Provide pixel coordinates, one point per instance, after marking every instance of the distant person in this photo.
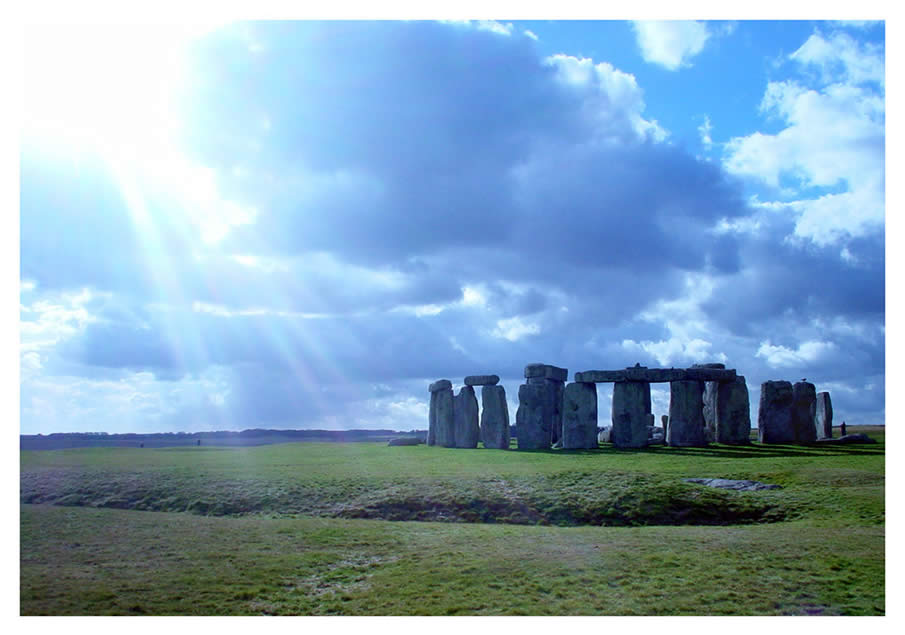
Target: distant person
(199, 441)
(141, 445)
(843, 428)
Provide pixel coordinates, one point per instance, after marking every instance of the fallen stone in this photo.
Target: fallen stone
(725, 483)
(465, 415)
(405, 441)
(824, 416)
(733, 413)
(440, 384)
(579, 422)
(629, 416)
(804, 410)
(657, 438)
(859, 437)
(533, 418)
(686, 414)
(774, 413)
(495, 432)
(482, 380)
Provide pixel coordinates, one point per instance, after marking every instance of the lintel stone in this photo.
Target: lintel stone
(440, 384)
(548, 371)
(482, 380)
(655, 375)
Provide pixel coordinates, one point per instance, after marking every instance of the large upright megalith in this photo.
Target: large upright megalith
(824, 416)
(629, 414)
(774, 413)
(732, 423)
(465, 416)
(533, 419)
(553, 378)
(711, 388)
(804, 410)
(686, 414)
(579, 416)
(494, 417)
(440, 416)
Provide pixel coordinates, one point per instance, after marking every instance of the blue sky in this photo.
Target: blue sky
(302, 224)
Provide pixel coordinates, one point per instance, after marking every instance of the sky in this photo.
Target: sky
(302, 224)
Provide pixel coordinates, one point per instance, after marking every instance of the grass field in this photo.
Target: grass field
(306, 529)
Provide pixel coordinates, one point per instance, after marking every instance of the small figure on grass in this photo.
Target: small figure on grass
(843, 428)
(199, 442)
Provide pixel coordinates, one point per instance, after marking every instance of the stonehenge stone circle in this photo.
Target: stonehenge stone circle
(494, 418)
(465, 416)
(774, 414)
(686, 414)
(732, 412)
(629, 415)
(824, 416)
(804, 411)
(482, 380)
(440, 416)
(533, 419)
(579, 422)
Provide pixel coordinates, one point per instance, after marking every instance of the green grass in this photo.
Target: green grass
(304, 529)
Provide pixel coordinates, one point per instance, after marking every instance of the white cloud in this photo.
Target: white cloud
(783, 357)
(834, 137)
(675, 349)
(704, 130)
(670, 43)
(515, 328)
(612, 97)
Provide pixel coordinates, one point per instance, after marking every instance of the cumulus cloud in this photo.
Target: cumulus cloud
(671, 43)
(833, 140)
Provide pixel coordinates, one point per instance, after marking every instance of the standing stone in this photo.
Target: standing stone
(432, 421)
(710, 394)
(441, 417)
(824, 416)
(733, 413)
(579, 421)
(494, 418)
(629, 414)
(804, 411)
(465, 414)
(774, 413)
(686, 414)
(533, 418)
(553, 377)
(664, 419)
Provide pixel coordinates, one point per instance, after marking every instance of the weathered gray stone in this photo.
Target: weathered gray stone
(714, 365)
(440, 384)
(804, 411)
(709, 398)
(465, 414)
(664, 419)
(605, 434)
(629, 414)
(579, 422)
(494, 418)
(432, 420)
(533, 419)
(547, 371)
(655, 375)
(774, 413)
(824, 416)
(725, 483)
(733, 413)
(554, 395)
(651, 420)
(405, 441)
(482, 380)
(442, 418)
(656, 436)
(686, 414)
